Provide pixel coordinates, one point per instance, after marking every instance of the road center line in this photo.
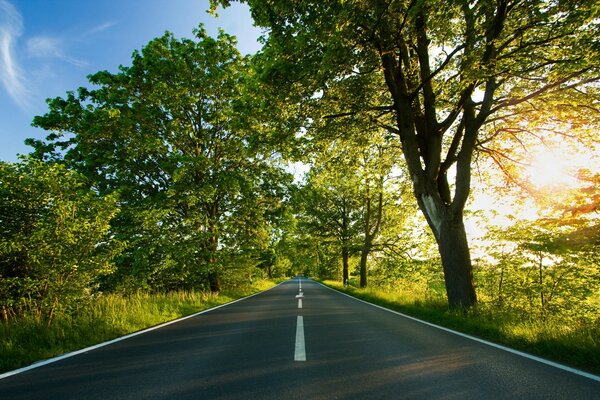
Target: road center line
(299, 303)
(300, 351)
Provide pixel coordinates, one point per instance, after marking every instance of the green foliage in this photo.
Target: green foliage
(569, 341)
(167, 174)
(537, 268)
(55, 240)
(445, 78)
(107, 317)
(175, 136)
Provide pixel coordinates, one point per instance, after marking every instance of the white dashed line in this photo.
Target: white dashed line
(300, 352)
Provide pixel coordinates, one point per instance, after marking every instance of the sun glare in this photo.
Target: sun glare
(554, 168)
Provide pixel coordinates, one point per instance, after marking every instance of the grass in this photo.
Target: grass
(568, 341)
(576, 343)
(107, 317)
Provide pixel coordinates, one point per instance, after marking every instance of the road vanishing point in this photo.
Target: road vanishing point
(298, 340)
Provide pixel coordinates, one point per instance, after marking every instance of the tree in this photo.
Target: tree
(376, 170)
(55, 239)
(176, 137)
(331, 210)
(450, 70)
(544, 266)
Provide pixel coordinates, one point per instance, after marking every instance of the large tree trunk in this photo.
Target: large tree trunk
(449, 231)
(432, 147)
(456, 261)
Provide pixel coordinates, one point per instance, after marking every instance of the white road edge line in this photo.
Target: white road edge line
(119, 339)
(491, 344)
(300, 350)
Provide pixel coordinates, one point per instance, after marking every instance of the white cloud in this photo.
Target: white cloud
(11, 73)
(101, 28)
(49, 47)
(13, 77)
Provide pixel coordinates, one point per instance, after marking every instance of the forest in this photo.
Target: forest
(446, 151)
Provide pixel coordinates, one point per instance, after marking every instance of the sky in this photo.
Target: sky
(48, 47)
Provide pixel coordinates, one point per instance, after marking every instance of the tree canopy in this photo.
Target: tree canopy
(173, 172)
(174, 135)
(443, 76)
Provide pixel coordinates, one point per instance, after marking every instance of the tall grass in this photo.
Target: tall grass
(109, 316)
(575, 342)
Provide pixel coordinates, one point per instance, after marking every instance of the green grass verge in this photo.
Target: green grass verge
(109, 316)
(567, 341)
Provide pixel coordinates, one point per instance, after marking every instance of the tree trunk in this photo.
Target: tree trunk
(214, 280)
(370, 232)
(345, 257)
(364, 254)
(456, 261)
(366, 248)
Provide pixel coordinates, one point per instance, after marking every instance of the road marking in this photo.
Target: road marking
(299, 295)
(299, 303)
(300, 351)
(476, 339)
(119, 339)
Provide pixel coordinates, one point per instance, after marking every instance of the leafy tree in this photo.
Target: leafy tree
(351, 195)
(55, 239)
(357, 146)
(383, 205)
(175, 135)
(539, 268)
(449, 72)
(332, 210)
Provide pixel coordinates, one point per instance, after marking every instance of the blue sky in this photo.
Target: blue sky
(49, 46)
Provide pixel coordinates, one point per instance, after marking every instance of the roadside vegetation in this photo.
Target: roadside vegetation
(445, 172)
(561, 338)
(107, 317)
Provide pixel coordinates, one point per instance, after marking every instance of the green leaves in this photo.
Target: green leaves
(544, 266)
(55, 241)
(176, 137)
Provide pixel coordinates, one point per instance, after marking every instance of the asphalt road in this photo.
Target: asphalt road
(259, 348)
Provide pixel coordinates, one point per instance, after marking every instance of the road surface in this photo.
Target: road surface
(299, 340)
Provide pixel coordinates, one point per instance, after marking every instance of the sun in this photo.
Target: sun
(555, 168)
